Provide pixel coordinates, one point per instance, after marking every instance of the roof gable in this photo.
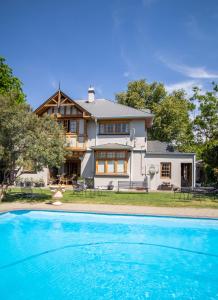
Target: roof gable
(57, 100)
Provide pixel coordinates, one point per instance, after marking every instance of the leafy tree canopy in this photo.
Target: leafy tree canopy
(206, 130)
(141, 94)
(171, 111)
(26, 139)
(172, 122)
(206, 122)
(9, 84)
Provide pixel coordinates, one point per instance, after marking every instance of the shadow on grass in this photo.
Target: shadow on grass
(13, 197)
(129, 193)
(87, 194)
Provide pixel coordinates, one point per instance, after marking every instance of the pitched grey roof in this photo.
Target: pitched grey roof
(160, 147)
(104, 109)
(157, 147)
(112, 146)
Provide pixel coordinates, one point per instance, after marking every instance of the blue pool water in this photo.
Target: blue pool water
(56, 255)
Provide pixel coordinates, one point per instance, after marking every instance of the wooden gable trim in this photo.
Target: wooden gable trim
(47, 103)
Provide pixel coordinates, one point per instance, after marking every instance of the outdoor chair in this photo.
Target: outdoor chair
(53, 181)
(80, 188)
(177, 193)
(186, 191)
(203, 192)
(182, 193)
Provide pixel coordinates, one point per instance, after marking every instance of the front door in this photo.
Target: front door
(186, 174)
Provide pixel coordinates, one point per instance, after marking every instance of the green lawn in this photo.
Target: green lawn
(123, 198)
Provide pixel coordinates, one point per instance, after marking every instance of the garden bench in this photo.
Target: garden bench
(132, 185)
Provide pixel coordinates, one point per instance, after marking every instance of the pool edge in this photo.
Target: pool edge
(110, 213)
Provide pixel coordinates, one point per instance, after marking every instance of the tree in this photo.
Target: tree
(171, 111)
(9, 84)
(210, 158)
(206, 122)
(172, 122)
(26, 139)
(141, 94)
(206, 129)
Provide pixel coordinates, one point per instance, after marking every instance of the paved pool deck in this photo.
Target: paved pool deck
(115, 209)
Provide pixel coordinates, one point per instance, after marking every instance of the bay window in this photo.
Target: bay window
(111, 162)
(101, 166)
(120, 166)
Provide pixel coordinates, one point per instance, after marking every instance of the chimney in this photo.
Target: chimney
(91, 94)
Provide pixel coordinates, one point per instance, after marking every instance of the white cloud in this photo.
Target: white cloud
(192, 72)
(185, 85)
(126, 74)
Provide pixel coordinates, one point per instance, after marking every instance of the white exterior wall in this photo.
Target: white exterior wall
(138, 166)
(88, 165)
(91, 132)
(155, 159)
(140, 140)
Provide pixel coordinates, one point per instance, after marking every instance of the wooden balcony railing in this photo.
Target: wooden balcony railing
(74, 142)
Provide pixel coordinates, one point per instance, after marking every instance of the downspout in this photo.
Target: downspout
(141, 162)
(194, 171)
(96, 134)
(131, 153)
(96, 129)
(142, 173)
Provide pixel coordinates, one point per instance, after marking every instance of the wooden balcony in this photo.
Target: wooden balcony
(76, 142)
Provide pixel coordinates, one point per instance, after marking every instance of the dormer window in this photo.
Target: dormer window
(114, 127)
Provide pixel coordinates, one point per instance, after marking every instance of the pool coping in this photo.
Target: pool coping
(185, 212)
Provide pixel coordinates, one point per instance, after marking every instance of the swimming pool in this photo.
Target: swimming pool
(48, 255)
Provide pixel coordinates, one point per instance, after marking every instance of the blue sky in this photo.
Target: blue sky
(108, 43)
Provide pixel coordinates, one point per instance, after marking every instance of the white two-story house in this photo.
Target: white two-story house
(107, 142)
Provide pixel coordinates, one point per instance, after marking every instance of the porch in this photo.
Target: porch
(68, 174)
